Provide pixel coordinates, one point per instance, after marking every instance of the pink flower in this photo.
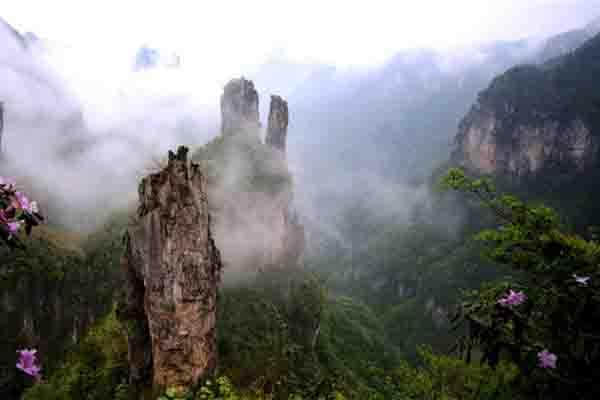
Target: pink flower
(512, 299)
(582, 280)
(23, 201)
(546, 359)
(27, 363)
(13, 227)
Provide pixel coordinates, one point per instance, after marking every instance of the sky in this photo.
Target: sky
(227, 35)
(218, 40)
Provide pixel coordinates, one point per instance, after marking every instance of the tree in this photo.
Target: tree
(544, 317)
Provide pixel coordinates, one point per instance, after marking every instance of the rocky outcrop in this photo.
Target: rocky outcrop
(239, 108)
(487, 146)
(250, 188)
(536, 119)
(172, 269)
(278, 123)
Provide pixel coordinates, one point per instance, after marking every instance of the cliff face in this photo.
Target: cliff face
(533, 119)
(278, 123)
(489, 144)
(239, 107)
(172, 269)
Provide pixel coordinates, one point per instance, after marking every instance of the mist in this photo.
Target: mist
(86, 133)
(373, 110)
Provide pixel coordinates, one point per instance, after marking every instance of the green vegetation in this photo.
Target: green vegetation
(550, 333)
(370, 322)
(95, 369)
(268, 350)
(53, 290)
(243, 163)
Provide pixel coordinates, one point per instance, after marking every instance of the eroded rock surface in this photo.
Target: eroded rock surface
(537, 121)
(172, 271)
(486, 146)
(239, 108)
(278, 123)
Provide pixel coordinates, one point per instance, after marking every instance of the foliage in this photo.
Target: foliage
(96, 369)
(442, 377)
(275, 337)
(53, 291)
(410, 272)
(559, 273)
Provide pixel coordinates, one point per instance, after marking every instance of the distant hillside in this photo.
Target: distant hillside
(538, 127)
(536, 117)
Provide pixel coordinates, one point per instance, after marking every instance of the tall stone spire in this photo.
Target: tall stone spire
(239, 108)
(278, 123)
(172, 269)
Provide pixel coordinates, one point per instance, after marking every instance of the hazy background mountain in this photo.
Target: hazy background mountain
(380, 128)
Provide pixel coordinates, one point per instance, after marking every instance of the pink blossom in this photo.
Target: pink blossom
(547, 359)
(13, 227)
(512, 299)
(27, 362)
(23, 201)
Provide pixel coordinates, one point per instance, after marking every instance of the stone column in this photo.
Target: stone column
(239, 108)
(172, 269)
(278, 123)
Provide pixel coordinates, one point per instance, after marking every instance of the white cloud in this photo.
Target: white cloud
(224, 36)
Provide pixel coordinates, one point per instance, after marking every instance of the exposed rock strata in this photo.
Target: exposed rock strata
(172, 271)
